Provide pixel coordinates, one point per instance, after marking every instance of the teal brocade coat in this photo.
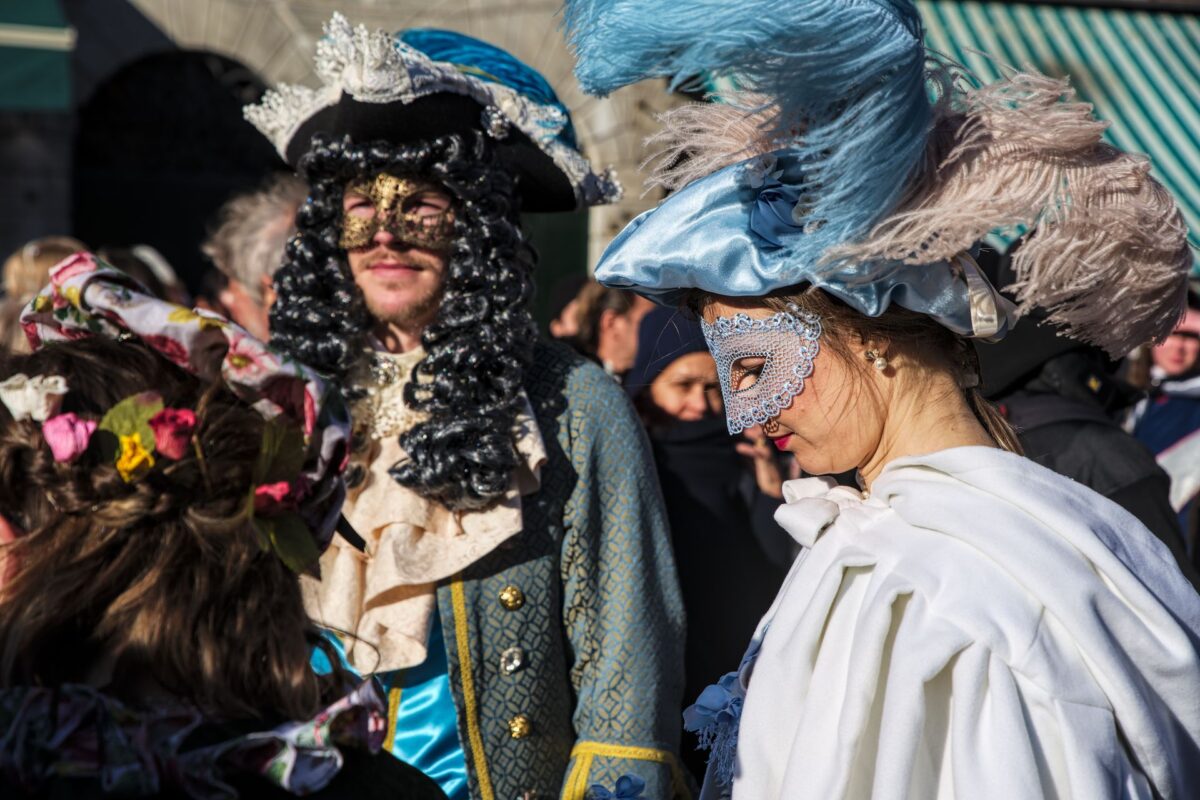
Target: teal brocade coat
(601, 625)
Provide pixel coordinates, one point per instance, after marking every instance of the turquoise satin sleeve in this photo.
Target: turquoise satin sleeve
(319, 660)
(426, 721)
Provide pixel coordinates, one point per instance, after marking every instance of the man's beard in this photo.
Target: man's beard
(420, 310)
(423, 309)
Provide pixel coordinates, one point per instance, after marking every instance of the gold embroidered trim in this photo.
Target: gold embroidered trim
(577, 780)
(393, 712)
(479, 761)
(584, 753)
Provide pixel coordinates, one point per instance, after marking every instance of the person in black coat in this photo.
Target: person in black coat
(720, 495)
(1064, 399)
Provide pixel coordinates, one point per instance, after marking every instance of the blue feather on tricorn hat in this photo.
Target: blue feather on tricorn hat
(419, 84)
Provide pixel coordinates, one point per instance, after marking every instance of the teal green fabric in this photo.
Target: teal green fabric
(35, 57)
(1140, 70)
(426, 720)
(602, 624)
(42, 13)
(34, 80)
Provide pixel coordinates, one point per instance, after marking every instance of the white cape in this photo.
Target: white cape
(979, 628)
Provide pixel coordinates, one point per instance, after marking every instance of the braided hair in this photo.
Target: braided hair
(468, 386)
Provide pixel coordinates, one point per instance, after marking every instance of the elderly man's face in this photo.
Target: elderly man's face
(397, 233)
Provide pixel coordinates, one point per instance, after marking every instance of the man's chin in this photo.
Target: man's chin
(402, 310)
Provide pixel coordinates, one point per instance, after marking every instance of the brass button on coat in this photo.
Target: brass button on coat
(512, 598)
(511, 660)
(519, 726)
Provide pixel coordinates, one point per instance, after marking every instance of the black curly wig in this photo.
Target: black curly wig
(479, 345)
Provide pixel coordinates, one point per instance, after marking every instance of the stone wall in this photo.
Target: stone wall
(275, 38)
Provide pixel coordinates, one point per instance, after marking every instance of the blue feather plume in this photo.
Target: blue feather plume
(848, 74)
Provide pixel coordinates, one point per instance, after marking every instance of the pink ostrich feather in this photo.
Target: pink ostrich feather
(698, 139)
(1108, 256)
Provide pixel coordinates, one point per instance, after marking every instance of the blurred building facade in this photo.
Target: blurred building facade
(146, 135)
(120, 119)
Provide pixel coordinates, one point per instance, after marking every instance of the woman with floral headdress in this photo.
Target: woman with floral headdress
(164, 477)
(968, 623)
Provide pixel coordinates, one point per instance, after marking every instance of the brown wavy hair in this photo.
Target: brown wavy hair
(165, 574)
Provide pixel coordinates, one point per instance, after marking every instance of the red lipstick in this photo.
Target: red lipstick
(782, 442)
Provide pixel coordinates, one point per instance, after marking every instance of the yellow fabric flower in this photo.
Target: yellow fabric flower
(187, 315)
(72, 295)
(42, 303)
(135, 460)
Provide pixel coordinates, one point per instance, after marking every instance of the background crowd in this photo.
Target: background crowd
(1128, 429)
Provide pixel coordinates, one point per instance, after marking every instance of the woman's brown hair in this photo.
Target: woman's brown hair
(594, 300)
(166, 573)
(916, 335)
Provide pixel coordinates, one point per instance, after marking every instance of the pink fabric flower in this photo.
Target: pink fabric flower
(272, 497)
(31, 334)
(248, 361)
(173, 428)
(174, 350)
(293, 398)
(71, 266)
(310, 413)
(67, 435)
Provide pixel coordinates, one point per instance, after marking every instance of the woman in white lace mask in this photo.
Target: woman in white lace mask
(966, 623)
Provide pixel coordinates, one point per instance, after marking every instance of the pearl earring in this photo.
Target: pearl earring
(879, 362)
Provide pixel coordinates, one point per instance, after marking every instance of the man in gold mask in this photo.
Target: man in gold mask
(509, 576)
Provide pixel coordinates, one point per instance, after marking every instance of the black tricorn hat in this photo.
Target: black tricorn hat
(425, 83)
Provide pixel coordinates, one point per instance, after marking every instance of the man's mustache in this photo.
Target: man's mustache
(409, 256)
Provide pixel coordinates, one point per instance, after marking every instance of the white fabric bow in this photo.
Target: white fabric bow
(37, 398)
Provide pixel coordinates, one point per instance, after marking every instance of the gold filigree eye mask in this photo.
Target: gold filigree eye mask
(412, 223)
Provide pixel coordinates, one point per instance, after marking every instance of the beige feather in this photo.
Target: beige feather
(1109, 257)
(698, 139)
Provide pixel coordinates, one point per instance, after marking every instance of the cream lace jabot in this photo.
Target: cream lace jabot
(385, 597)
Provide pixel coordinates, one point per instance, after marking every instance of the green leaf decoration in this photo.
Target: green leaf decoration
(281, 455)
(291, 540)
(132, 415)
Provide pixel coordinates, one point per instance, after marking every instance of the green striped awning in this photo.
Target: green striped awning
(35, 56)
(1140, 69)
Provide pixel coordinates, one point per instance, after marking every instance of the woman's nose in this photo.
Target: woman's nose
(696, 402)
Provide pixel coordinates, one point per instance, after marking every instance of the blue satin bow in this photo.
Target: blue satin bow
(629, 787)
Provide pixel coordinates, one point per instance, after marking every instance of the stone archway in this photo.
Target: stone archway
(276, 38)
(159, 146)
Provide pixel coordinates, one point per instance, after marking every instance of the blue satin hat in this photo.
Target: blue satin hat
(732, 233)
(882, 150)
(851, 75)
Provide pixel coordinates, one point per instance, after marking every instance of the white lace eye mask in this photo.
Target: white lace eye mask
(787, 344)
